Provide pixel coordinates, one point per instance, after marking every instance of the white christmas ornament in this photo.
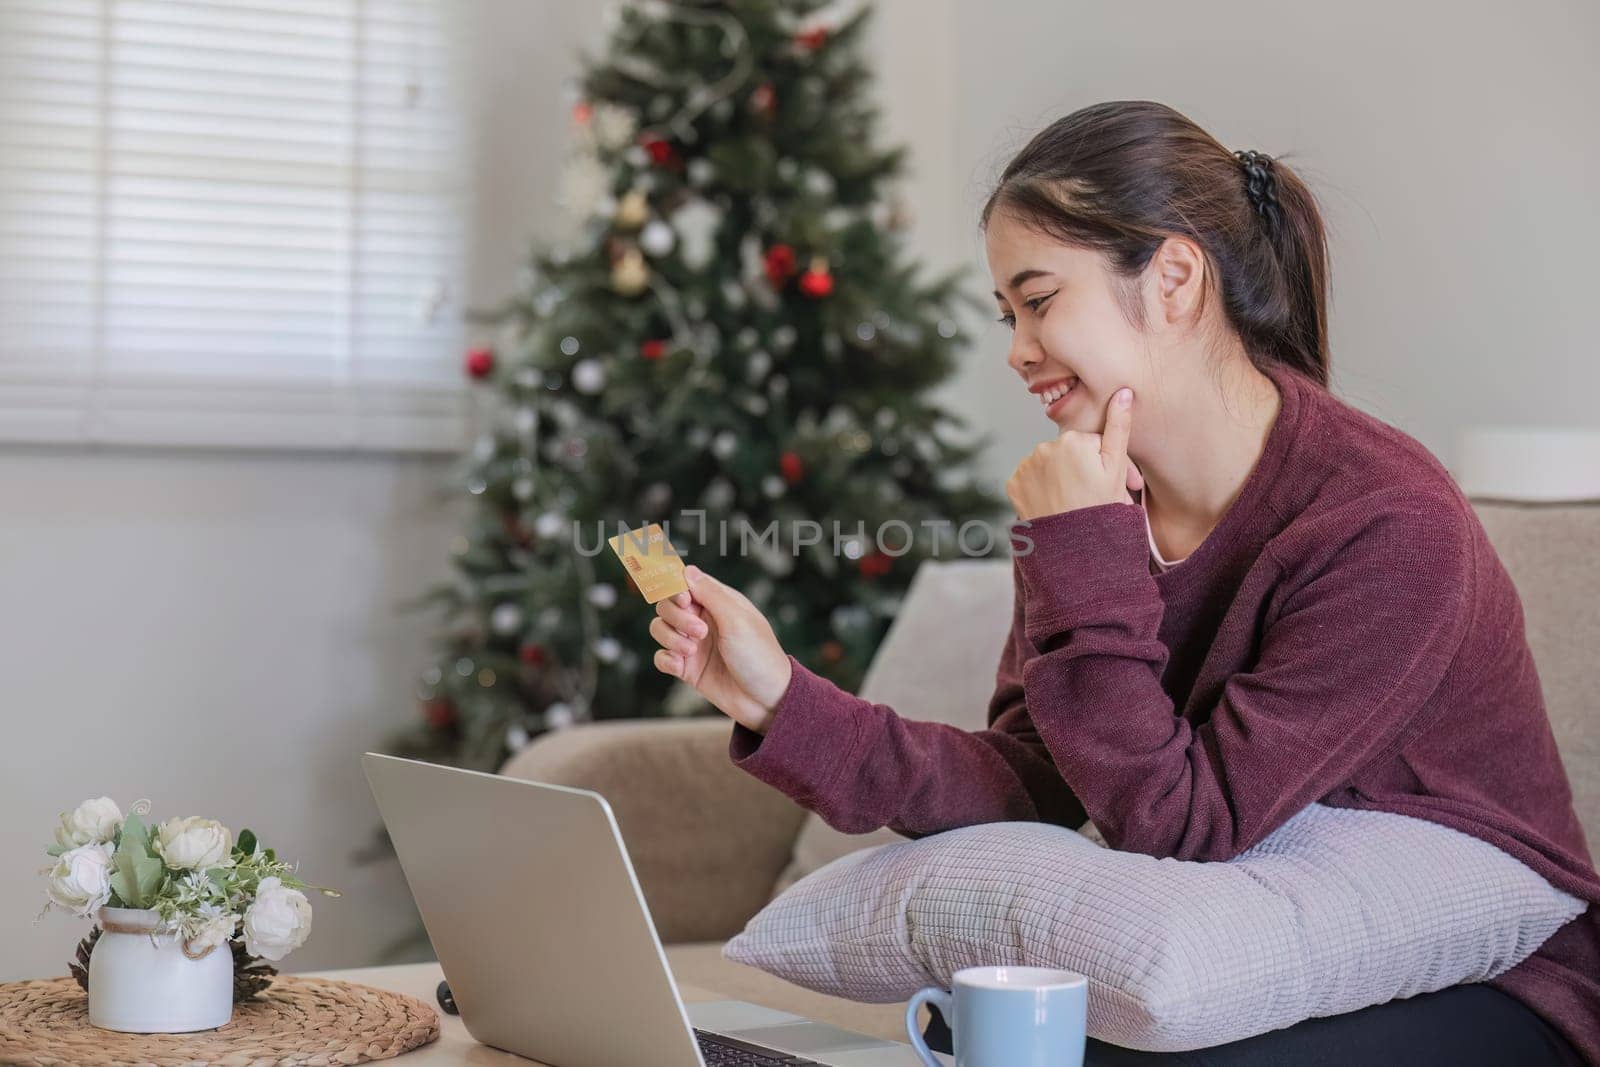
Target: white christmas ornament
(701, 172)
(757, 366)
(606, 650)
(773, 486)
(613, 125)
(819, 183)
(549, 524)
(558, 716)
(696, 222)
(602, 595)
(522, 489)
(517, 737)
(505, 619)
(724, 445)
(719, 494)
(588, 376)
(657, 238)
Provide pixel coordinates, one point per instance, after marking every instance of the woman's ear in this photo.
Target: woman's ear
(1179, 269)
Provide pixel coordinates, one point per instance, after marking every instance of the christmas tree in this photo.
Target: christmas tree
(735, 346)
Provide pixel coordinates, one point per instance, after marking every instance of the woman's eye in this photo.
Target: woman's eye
(1033, 305)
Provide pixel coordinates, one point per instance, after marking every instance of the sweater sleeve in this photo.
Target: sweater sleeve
(861, 766)
(1363, 633)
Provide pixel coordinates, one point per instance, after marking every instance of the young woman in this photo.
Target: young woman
(1235, 594)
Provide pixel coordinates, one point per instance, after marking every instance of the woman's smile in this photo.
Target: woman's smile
(1055, 393)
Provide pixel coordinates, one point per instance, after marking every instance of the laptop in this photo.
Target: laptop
(536, 916)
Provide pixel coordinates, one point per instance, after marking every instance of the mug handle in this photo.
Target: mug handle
(946, 1004)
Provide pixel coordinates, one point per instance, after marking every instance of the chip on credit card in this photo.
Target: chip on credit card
(652, 562)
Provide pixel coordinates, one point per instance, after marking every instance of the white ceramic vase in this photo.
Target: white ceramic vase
(142, 986)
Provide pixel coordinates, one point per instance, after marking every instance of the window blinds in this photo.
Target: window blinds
(226, 222)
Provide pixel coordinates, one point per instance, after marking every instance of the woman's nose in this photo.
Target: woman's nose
(1024, 353)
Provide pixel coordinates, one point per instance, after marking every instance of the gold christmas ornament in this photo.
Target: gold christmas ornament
(633, 210)
(630, 275)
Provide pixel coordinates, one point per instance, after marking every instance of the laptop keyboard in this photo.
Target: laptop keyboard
(720, 1051)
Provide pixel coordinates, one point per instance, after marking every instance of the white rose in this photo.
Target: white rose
(94, 821)
(80, 881)
(212, 931)
(278, 922)
(193, 843)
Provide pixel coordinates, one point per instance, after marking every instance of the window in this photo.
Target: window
(226, 222)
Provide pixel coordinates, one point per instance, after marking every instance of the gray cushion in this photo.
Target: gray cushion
(1335, 911)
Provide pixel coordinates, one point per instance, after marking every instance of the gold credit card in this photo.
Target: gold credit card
(652, 562)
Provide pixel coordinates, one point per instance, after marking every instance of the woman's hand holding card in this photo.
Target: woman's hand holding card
(718, 642)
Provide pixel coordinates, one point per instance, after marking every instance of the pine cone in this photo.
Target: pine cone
(80, 969)
(250, 974)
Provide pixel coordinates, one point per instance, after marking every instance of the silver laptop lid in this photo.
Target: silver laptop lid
(536, 915)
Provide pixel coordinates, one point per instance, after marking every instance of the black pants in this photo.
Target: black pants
(1464, 1026)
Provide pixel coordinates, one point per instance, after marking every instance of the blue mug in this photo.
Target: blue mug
(1009, 1017)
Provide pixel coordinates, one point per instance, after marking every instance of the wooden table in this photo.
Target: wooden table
(455, 1045)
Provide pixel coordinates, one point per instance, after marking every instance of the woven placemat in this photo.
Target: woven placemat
(306, 1022)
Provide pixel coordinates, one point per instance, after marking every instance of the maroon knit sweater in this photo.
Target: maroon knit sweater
(1346, 634)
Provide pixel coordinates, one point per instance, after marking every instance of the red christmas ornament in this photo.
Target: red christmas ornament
(653, 349)
(661, 152)
(518, 531)
(832, 652)
(817, 282)
(792, 467)
(532, 654)
(812, 39)
(875, 565)
(780, 261)
(439, 714)
(582, 111)
(480, 362)
(764, 99)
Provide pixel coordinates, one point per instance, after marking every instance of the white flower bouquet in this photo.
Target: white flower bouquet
(206, 888)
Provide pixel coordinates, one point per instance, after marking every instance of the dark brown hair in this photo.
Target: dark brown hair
(1122, 176)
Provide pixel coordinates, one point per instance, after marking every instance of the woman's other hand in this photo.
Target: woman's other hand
(1079, 469)
(717, 641)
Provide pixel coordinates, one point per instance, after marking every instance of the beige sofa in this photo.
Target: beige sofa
(711, 845)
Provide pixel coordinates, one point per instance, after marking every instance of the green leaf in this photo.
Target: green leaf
(136, 875)
(272, 857)
(247, 841)
(54, 850)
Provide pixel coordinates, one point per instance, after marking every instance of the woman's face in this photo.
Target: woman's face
(1071, 344)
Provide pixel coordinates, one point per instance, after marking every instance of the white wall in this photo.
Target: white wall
(217, 631)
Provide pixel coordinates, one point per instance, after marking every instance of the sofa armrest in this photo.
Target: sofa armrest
(706, 839)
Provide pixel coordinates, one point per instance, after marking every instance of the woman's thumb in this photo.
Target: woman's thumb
(707, 590)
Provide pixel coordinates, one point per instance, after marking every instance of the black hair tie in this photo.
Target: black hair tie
(1261, 185)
